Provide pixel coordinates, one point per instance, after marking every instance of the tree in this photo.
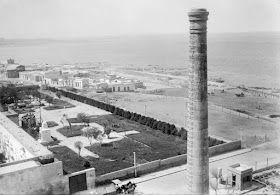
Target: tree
(8, 95)
(2, 158)
(79, 146)
(36, 93)
(155, 123)
(214, 180)
(107, 131)
(49, 99)
(84, 118)
(58, 94)
(174, 130)
(214, 185)
(65, 118)
(92, 133)
(183, 133)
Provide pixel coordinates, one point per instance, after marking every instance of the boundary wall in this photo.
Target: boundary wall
(161, 164)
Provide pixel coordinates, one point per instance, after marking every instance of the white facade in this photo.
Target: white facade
(80, 83)
(120, 86)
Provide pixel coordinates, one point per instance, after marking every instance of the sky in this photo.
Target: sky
(89, 18)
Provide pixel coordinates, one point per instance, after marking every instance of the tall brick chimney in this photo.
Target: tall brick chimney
(197, 105)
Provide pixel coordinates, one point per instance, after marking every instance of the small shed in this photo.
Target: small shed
(240, 176)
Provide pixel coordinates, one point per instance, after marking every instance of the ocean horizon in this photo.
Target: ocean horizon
(250, 59)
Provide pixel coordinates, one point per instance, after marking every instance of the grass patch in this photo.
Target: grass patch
(72, 162)
(74, 131)
(120, 151)
(52, 124)
(59, 104)
(159, 148)
(158, 145)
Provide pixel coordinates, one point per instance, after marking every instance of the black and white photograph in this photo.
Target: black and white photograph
(140, 97)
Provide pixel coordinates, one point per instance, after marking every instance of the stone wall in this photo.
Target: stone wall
(16, 144)
(159, 164)
(12, 148)
(41, 179)
(226, 147)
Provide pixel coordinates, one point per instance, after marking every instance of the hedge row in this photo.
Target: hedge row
(144, 120)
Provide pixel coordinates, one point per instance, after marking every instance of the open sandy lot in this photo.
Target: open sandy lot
(173, 110)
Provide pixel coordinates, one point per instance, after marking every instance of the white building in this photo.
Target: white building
(80, 83)
(121, 86)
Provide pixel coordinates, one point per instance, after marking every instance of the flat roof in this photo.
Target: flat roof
(240, 168)
(18, 167)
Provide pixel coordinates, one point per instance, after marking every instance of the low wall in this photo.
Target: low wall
(148, 167)
(158, 164)
(141, 169)
(226, 147)
(266, 168)
(11, 147)
(176, 160)
(16, 144)
(124, 173)
(41, 179)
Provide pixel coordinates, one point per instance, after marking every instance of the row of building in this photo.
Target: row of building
(110, 83)
(57, 78)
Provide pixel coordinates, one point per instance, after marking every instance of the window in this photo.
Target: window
(118, 88)
(113, 88)
(127, 88)
(124, 88)
(248, 178)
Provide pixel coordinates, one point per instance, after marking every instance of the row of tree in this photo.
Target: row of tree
(165, 127)
(144, 120)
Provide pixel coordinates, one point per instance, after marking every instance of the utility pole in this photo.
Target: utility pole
(241, 134)
(145, 109)
(40, 108)
(135, 166)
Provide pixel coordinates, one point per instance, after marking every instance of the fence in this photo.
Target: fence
(251, 140)
(266, 164)
(240, 114)
(261, 93)
(222, 109)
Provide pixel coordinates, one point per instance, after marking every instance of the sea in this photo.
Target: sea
(250, 59)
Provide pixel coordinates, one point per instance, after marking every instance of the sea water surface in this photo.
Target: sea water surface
(251, 59)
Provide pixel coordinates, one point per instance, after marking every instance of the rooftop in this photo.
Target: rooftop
(240, 167)
(13, 67)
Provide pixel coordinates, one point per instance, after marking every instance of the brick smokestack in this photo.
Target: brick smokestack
(197, 105)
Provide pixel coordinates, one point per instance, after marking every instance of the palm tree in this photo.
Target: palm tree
(79, 146)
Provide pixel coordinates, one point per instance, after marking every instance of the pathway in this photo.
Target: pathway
(56, 116)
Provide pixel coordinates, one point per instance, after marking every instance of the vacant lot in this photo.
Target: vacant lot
(173, 110)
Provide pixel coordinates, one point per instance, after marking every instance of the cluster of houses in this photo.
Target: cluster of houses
(11, 69)
(58, 78)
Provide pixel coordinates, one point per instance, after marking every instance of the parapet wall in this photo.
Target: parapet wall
(16, 144)
(12, 148)
(223, 148)
(40, 179)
